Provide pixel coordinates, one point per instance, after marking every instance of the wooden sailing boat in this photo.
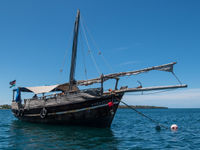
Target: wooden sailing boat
(71, 106)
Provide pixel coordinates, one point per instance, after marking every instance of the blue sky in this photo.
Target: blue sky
(35, 36)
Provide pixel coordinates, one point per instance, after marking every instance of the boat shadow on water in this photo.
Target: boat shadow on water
(31, 135)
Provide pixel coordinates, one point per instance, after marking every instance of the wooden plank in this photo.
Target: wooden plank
(147, 89)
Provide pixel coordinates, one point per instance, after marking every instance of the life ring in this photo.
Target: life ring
(20, 113)
(43, 113)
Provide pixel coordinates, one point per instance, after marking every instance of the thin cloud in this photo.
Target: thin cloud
(122, 48)
(119, 48)
(128, 63)
(132, 46)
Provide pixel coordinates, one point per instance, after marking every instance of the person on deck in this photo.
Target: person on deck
(35, 96)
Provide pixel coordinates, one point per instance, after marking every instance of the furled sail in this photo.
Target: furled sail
(65, 86)
(165, 67)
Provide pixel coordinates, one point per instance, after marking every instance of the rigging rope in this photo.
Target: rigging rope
(156, 122)
(97, 47)
(176, 78)
(106, 62)
(70, 37)
(89, 49)
(82, 47)
(65, 56)
(140, 113)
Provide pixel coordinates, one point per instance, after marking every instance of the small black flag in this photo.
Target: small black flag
(12, 83)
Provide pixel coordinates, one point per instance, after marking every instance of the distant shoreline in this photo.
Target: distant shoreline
(6, 106)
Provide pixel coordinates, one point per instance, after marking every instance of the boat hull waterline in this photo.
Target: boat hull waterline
(95, 112)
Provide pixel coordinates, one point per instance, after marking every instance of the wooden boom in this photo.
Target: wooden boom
(165, 67)
(147, 89)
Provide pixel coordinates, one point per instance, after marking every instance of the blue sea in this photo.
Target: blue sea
(129, 131)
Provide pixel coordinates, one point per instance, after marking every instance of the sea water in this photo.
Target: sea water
(129, 130)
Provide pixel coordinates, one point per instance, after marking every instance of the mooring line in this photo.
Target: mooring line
(156, 122)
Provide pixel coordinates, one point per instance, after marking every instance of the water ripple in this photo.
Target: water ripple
(129, 131)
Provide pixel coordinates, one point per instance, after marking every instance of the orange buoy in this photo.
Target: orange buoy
(174, 127)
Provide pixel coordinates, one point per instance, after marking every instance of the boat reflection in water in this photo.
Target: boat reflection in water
(41, 136)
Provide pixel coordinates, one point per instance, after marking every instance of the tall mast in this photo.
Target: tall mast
(74, 51)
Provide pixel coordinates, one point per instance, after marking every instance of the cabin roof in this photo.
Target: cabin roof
(46, 89)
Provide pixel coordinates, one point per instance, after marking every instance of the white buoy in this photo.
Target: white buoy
(174, 127)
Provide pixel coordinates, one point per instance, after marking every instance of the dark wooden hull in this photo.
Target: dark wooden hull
(96, 112)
